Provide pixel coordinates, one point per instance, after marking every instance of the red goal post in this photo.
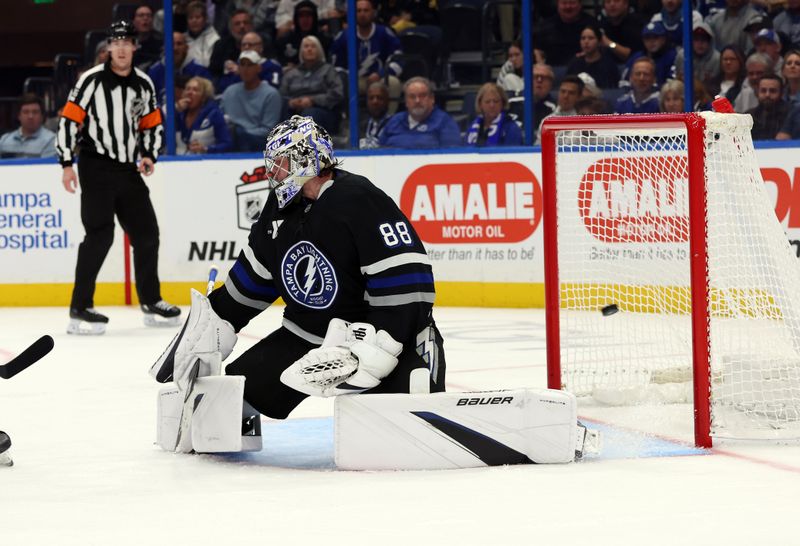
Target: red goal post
(663, 221)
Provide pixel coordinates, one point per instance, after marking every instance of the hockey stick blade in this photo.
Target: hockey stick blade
(28, 357)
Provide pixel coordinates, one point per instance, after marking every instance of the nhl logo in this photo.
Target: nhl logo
(137, 109)
(250, 199)
(252, 209)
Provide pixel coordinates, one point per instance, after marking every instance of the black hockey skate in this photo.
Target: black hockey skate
(86, 321)
(5, 450)
(161, 313)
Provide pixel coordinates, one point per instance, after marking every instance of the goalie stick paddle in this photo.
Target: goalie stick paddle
(28, 357)
(183, 420)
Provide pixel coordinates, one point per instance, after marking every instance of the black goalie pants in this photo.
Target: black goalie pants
(108, 188)
(264, 362)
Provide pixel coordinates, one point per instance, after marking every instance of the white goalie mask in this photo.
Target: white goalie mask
(297, 150)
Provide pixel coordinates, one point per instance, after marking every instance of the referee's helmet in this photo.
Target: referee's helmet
(120, 30)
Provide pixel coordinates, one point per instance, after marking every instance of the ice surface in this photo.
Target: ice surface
(87, 472)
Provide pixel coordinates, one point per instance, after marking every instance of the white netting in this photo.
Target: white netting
(623, 239)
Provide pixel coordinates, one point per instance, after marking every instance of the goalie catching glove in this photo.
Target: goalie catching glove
(205, 341)
(352, 358)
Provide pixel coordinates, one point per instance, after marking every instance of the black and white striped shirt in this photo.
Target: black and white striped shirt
(114, 116)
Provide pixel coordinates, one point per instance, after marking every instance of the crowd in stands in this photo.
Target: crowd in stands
(241, 66)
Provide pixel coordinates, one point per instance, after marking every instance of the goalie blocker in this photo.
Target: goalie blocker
(459, 430)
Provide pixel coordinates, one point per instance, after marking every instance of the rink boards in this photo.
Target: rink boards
(479, 215)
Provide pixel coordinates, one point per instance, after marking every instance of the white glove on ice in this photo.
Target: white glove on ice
(205, 341)
(352, 358)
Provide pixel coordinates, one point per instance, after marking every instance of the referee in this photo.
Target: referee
(112, 114)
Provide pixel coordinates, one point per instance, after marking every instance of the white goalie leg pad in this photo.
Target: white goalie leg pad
(205, 338)
(218, 416)
(220, 422)
(455, 430)
(170, 402)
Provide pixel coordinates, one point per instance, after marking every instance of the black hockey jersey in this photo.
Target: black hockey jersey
(351, 254)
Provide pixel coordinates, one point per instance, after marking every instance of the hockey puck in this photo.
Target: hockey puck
(609, 310)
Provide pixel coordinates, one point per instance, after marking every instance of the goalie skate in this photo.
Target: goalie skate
(86, 322)
(161, 313)
(5, 450)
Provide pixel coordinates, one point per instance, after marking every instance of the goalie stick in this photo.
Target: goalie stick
(186, 412)
(28, 357)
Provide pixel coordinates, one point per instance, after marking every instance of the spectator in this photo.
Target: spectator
(262, 14)
(313, 88)
(622, 29)
(306, 23)
(671, 98)
(756, 24)
(709, 7)
(595, 60)
(178, 17)
(558, 38)
(510, 77)
(180, 83)
(591, 91)
(658, 48)
(768, 42)
(201, 124)
(423, 124)
(731, 74)
(788, 22)
(757, 66)
(402, 15)
(376, 44)
(643, 97)
(286, 15)
(495, 125)
(183, 65)
(791, 125)
(271, 71)
(671, 16)
(378, 112)
(543, 102)
(772, 111)
(252, 106)
(589, 106)
(705, 57)
(570, 91)
(728, 25)
(149, 42)
(227, 49)
(101, 53)
(791, 76)
(702, 99)
(200, 35)
(31, 139)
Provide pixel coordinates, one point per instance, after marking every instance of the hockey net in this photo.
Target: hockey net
(666, 267)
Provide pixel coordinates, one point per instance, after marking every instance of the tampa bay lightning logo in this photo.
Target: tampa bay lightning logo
(309, 276)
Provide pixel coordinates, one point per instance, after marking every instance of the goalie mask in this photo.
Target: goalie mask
(297, 150)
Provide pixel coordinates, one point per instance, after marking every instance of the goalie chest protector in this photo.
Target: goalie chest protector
(328, 259)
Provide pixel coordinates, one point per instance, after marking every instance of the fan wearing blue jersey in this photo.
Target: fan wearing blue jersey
(376, 44)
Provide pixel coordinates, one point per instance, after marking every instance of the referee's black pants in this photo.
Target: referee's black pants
(109, 187)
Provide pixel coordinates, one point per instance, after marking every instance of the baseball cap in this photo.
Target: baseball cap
(251, 55)
(656, 28)
(767, 34)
